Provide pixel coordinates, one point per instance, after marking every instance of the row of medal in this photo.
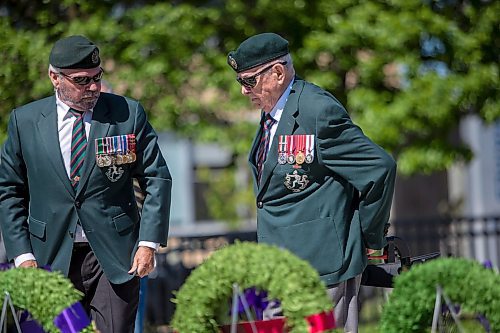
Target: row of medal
(115, 150)
(296, 149)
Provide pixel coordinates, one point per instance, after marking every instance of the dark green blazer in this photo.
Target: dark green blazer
(346, 202)
(39, 209)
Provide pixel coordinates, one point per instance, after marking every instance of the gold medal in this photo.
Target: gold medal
(300, 158)
(119, 159)
(133, 157)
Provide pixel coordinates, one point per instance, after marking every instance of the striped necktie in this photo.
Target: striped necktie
(78, 147)
(264, 144)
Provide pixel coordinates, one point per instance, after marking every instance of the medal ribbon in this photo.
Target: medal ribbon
(115, 144)
(289, 142)
(309, 145)
(109, 145)
(124, 141)
(301, 144)
(131, 142)
(282, 144)
(99, 146)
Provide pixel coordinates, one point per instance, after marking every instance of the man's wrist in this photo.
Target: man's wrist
(152, 245)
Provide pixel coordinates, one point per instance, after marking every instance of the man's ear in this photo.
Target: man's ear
(55, 79)
(280, 73)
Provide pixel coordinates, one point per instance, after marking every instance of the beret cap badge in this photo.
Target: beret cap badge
(232, 62)
(95, 56)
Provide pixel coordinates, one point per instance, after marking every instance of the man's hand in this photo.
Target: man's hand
(143, 261)
(28, 263)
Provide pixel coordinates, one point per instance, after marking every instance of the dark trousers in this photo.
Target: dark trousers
(112, 307)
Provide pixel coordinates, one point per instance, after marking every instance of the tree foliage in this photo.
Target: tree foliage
(407, 70)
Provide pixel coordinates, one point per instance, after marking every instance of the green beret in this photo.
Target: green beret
(257, 50)
(74, 52)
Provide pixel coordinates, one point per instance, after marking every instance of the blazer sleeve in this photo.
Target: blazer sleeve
(346, 151)
(14, 196)
(155, 180)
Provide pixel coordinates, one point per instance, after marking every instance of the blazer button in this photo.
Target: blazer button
(78, 204)
(260, 204)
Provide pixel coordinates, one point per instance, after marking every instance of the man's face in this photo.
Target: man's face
(78, 88)
(263, 84)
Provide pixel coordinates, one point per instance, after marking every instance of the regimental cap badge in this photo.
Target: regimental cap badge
(95, 56)
(232, 62)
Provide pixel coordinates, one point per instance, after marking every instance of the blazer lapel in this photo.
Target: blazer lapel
(285, 127)
(47, 127)
(101, 118)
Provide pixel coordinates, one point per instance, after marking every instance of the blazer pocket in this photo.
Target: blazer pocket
(122, 222)
(36, 227)
(315, 241)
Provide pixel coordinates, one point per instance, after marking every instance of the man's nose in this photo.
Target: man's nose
(245, 90)
(95, 86)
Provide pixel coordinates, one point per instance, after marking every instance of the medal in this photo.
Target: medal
(99, 152)
(99, 161)
(107, 160)
(131, 147)
(300, 158)
(282, 149)
(282, 158)
(119, 159)
(290, 149)
(310, 149)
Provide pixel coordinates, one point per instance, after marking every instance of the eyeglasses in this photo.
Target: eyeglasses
(84, 80)
(251, 81)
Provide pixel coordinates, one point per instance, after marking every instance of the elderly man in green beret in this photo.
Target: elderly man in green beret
(323, 189)
(66, 192)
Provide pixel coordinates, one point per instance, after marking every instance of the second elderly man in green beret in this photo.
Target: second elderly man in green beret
(323, 189)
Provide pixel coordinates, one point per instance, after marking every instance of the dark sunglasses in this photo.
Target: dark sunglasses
(251, 81)
(84, 80)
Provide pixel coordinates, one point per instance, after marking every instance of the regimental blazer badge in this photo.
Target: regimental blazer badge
(296, 149)
(296, 182)
(114, 173)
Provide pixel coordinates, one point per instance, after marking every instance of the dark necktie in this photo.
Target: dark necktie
(78, 147)
(264, 144)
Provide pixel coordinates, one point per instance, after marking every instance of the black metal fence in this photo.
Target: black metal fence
(470, 237)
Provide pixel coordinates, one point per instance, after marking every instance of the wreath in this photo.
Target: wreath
(467, 283)
(44, 294)
(283, 275)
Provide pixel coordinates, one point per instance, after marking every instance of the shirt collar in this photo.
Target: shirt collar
(280, 105)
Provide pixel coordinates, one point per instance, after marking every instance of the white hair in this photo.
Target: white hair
(289, 63)
(54, 69)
